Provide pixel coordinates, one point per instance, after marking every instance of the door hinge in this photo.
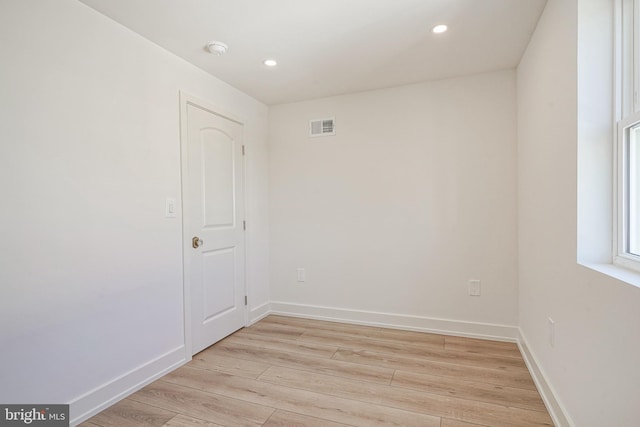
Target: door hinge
(245, 300)
(243, 150)
(244, 225)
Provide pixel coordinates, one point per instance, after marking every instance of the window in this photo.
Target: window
(627, 206)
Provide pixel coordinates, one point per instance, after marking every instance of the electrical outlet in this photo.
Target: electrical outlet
(552, 332)
(302, 275)
(474, 288)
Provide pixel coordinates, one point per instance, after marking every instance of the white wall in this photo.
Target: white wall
(593, 366)
(414, 196)
(90, 270)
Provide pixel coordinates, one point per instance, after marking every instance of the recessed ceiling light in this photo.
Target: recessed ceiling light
(438, 29)
(270, 62)
(217, 48)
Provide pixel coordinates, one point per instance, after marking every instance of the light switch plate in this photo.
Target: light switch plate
(171, 208)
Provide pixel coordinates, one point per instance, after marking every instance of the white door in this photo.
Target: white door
(214, 226)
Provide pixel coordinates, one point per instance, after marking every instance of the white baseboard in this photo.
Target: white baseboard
(399, 321)
(100, 398)
(556, 409)
(258, 313)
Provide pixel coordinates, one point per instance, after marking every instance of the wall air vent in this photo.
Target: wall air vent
(322, 127)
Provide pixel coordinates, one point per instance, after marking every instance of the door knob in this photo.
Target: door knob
(196, 242)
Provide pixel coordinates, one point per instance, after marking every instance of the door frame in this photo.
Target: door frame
(187, 99)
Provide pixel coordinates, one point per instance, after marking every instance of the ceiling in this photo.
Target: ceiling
(333, 47)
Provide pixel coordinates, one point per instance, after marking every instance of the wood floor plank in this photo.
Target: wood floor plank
(473, 345)
(388, 346)
(184, 421)
(407, 399)
(341, 339)
(88, 424)
(297, 346)
(480, 391)
(517, 379)
(312, 404)
(275, 330)
(289, 419)
(455, 423)
(323, 325)
(282, 358)
(128, 413)
(360, 330)
(409, 336)
(202, 405)
(228, 365)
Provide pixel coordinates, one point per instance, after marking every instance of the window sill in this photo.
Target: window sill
(616, 272)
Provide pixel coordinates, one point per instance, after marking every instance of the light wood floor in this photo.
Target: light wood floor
(294, 372)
